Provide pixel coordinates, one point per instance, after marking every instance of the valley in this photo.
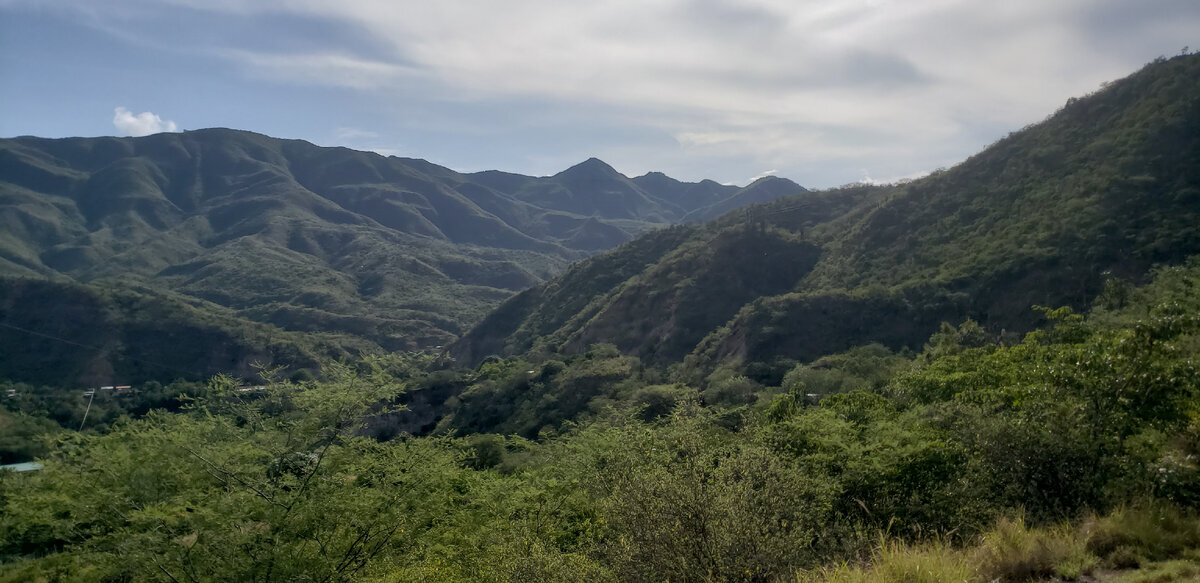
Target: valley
(350, 367)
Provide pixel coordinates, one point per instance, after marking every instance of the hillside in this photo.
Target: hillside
(400, 252)
(1105, 187)
(64, 334)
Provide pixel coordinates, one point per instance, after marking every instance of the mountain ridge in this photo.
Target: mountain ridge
(305, 237)
(1105, 187)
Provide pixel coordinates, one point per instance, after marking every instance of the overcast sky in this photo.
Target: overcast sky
(824, 92)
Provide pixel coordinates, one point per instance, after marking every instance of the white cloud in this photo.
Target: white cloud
(725, 76)
(821, 85)
(366, 140)
(142, 124)
(866, 179)
(762, 175)
(331, 68)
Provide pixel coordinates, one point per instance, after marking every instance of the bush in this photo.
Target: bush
(1148, 531)
(1012, 552)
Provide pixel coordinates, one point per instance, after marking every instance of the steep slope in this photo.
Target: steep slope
(1107, 186)
(402, 252)
(658, 295)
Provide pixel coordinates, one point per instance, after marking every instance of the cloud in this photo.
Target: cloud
(762, 175)
(332, 68)
(725, 76)
(142, 124)
(824, 86)
(866, 179)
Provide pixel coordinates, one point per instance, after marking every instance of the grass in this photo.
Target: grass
(1014, 552)
(1164, 572)
(1137, 534)
(898, 562)
(1143, 543)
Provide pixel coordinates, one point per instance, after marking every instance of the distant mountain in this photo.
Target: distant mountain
(1106, 187)
(765, 189)
(401, 252)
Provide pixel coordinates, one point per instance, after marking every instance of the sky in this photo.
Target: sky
(824, 92)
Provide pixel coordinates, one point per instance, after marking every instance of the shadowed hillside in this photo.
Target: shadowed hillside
(64, 334)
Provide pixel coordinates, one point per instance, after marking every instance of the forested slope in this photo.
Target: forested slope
(64, 334)
(1105, 187)
(1066, 454)
(401, 253)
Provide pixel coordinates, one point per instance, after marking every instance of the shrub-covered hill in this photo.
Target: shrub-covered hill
(66, 334)
(1106, 186)
(1061, 457)
(401, 252)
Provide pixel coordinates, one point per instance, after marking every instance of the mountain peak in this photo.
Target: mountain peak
(655, 175)
(589, 167)
(775, 182)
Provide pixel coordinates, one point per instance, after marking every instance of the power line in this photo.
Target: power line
(49, 336)
(96, 348)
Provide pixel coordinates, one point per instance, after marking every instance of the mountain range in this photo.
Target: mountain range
(1102, 189)
(261, 250)
(402, 253)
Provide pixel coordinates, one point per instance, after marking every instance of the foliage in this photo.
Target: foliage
(989, 456)
(83, 336)
(399, 253)
(245, 487)
(1099, 191)
(77, 409)
(686, 501)
(860, 368)
(24, 437)
(896, 562)
(515, 397)
(1011, 552)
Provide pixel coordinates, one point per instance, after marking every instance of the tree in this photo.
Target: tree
(247, 486)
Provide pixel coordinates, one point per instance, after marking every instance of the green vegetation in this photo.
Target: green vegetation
(398, 253)
(1012, 551)
(70, 335)
(1068, 453)
(1102, 189)
(977, 376)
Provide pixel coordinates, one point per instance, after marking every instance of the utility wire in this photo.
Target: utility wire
(96, 348)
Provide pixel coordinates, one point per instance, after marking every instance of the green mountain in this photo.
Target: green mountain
(400, 252)
(1105, 187)
(765, 189)
(63, 334)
